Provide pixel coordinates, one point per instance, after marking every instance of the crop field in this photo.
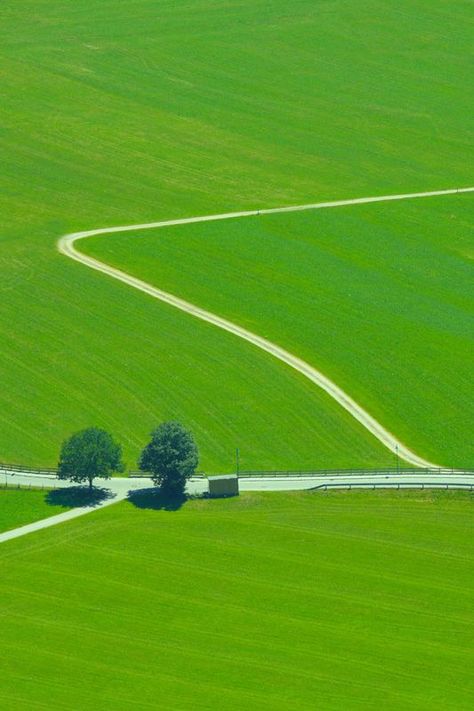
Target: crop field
(116, 113)
(298, 601)
(21, 506)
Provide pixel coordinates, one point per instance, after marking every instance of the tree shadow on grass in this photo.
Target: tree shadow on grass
(156, 500)
(77, 496)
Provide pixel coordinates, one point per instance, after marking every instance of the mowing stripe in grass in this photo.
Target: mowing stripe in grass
(66, 247)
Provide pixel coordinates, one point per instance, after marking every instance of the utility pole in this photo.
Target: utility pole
(398, 459)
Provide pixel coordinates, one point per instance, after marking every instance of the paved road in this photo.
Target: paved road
(66, 247)
(119, 489)
(369, 481)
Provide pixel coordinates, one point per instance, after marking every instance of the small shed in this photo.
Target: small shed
(223, 485)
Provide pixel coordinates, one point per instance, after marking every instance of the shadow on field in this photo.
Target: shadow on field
(76, 496)
(156, 500)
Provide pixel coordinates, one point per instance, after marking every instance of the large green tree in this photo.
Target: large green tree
(88, 455)
(170, 458)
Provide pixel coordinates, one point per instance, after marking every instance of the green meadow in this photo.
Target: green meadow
(351, 600)
(379, 297)
(115, 113)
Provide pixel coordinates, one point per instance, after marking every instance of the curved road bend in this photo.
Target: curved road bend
(66, 245)
(120, 487)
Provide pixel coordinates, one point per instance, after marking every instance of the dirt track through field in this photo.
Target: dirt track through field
(66, 247)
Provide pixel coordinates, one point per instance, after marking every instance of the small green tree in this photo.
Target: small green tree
(170, 458)
(89, 454)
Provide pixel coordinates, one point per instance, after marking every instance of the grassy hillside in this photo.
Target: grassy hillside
(21, 506)
(121, 112)
(339, 601)
(379, 297)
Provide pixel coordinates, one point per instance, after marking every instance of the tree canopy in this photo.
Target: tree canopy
(170, 458)
(89, 454)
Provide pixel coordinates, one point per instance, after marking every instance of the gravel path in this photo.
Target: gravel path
(66, 246)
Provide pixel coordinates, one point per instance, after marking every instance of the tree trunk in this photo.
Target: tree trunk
(90, 483)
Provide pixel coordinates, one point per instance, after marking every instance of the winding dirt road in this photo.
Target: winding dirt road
(66, 245)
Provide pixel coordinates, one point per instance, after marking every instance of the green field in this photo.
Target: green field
(378, 297)
(115, 113)
(21, 506)
(298, 601)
